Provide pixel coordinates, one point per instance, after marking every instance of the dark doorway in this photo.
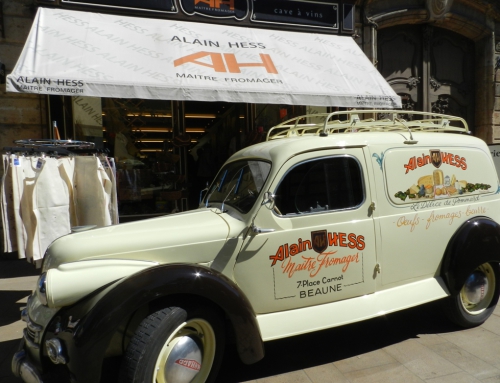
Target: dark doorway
(432, 69)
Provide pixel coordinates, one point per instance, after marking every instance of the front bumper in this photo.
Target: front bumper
(27, 361)
(23, 368)
(49, 351)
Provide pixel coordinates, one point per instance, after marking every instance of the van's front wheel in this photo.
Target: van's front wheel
(477, 298)
(175, 345)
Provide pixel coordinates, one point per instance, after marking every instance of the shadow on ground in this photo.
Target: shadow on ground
(10, 310)
(12, 267)
(7, 350)
(310, 350)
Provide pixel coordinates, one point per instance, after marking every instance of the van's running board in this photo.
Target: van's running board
(308, 319)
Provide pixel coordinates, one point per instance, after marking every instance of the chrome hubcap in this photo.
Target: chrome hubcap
(187, 355)
(477, 292)
(184, 361)
(475, 288)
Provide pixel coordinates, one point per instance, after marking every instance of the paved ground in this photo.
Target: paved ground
(417, 345)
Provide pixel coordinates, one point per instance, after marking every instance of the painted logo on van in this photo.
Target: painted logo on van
(189, 363)
(440, 185)
(319, 242)
(436, 158)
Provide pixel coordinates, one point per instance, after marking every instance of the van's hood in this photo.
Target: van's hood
(194, 236)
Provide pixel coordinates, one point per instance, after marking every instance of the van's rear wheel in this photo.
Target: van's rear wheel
(477, 298)
(175, 345)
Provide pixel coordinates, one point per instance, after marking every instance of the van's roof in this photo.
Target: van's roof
(361, 128)
(282, 149)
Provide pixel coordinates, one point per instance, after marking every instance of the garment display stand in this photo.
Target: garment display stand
(49, 187)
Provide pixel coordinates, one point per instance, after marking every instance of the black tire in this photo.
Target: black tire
(477, 299)
(175, 345)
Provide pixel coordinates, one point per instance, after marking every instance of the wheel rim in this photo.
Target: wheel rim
(478, 290)
(187, 355)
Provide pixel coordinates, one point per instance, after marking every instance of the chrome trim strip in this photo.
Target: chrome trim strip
(34, 327)
(29, 342)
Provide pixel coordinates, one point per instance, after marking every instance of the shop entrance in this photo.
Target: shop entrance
(166, 151)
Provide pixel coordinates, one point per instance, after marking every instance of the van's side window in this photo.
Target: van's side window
(331, 183)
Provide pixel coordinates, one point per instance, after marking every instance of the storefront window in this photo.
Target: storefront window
(165, 152)
(267, 116)
(139, 134)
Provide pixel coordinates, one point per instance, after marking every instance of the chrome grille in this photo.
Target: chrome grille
(30, 334)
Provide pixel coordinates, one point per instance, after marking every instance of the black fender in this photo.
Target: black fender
(476, 242)
(87, 342)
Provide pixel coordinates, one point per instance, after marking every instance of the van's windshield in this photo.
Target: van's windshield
(238, 184)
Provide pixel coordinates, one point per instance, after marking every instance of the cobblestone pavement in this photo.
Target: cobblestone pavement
(416, 345)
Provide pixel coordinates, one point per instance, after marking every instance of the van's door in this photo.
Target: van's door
(317, 243)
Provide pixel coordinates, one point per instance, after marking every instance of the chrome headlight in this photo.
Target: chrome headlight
(56, 351)
(41, 288)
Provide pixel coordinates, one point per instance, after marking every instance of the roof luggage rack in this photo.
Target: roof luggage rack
(380, 121)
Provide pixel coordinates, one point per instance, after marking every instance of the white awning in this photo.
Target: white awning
(90, 54)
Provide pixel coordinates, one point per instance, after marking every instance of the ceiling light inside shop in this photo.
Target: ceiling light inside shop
(166, 130)
(149, 115)
(150, 140)
(200, 115)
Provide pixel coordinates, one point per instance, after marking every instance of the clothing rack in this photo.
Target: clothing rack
(52, 147)
(48, 150)
(53, 150)
(51, 186)
(38, 143)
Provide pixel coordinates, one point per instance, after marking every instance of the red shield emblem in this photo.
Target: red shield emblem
(435, 157)
(319, 241)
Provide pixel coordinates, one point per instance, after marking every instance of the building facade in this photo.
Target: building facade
(439, 55)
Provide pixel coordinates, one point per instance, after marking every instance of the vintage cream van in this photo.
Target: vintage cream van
(335, 219)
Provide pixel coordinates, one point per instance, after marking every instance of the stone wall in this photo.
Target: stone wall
(21, 116)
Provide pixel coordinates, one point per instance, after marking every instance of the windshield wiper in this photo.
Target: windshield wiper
(209, 194)
(227, 196)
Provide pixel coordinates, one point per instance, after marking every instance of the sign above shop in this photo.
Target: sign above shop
(237, 9)
(330, 16)
(317, 14)
(150, 5)
(76, 53)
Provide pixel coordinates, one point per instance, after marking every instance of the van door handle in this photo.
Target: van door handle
(258, 230)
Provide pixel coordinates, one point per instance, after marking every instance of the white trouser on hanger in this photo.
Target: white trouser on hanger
(66, 167)
(110, 169)
(23, 181)
(51, 206)
(92, 190)
(8, 214)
